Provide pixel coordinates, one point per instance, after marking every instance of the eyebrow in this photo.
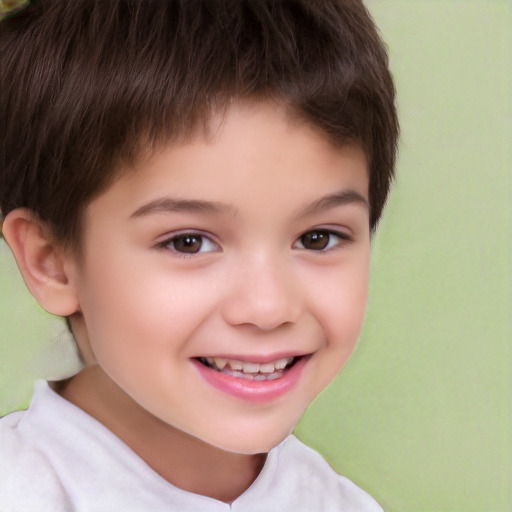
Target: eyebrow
(171, 205)
(341, 198)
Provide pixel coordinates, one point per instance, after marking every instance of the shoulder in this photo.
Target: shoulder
(54, 457)
(28, 480)
(314, 479)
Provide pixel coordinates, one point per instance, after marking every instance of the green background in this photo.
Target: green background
(422, 415)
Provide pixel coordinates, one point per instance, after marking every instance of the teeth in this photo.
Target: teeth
(249, 369)
(267, 368)
(220, 363)
(280, 364)
(236, 365)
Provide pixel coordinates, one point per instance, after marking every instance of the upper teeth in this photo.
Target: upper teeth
(247, 367)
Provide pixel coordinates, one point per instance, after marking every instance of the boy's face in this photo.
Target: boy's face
(246, 247)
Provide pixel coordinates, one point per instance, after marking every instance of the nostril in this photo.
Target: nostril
(263, 293)
(263, 314)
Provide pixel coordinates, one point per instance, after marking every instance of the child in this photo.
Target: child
(192, 184)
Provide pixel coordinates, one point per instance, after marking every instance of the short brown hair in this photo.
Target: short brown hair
(85, 83)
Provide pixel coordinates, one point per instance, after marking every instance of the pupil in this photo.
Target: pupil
(315, 240)
(188, 243)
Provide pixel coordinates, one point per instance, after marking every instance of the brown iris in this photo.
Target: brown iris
(190, 244)
(315, 240)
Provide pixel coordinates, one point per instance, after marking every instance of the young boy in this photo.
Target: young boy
(192, 184)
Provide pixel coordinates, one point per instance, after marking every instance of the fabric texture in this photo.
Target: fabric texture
(54, 457)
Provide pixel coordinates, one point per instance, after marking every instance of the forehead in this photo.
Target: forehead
(250, 151)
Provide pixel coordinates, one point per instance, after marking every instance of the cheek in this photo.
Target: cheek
(131, 308)
(341, 305)
(340, 311)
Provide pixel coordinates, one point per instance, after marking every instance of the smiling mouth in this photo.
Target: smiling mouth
(248, 370)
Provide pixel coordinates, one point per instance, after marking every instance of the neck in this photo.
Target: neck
(183, 460)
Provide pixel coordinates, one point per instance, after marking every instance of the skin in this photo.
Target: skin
(256, 289)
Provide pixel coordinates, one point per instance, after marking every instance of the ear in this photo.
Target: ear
(47, 268)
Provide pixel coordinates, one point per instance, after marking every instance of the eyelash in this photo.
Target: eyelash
(170, 243)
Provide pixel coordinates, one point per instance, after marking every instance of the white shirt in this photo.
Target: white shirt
(54, 457)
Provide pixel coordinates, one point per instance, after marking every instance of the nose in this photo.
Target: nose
(263, 294)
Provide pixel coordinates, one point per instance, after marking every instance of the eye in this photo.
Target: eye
(190, 243)
(320, 240)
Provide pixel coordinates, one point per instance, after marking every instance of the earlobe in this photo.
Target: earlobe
(46, 268)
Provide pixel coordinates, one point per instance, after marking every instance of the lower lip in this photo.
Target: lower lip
(256, 391)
